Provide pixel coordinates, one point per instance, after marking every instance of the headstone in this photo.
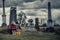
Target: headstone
(37, 24)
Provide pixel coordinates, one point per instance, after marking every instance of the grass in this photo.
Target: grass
(30, 36)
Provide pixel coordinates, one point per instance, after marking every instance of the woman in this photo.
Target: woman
(12, 27)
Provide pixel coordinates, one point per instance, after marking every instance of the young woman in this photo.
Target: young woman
(12, 27)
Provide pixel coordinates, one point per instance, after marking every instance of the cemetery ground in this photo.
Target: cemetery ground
(30, 35)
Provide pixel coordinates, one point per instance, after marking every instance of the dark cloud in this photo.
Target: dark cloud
(29, 0)
(39, 4)
(41, 0)
(9, 3)
(55, 3)
(31, 14)
(44, 10)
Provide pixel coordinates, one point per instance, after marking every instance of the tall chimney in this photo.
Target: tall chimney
(4, 16)
(49, 15)
(49, 11)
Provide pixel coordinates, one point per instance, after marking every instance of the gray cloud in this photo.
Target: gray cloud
(31, 14)
(9, 3)
(35, 3)
(29, 0)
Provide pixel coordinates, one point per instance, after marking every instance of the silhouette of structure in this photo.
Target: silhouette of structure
(30, 23)
(41, 21)
(50, 27)
(49, 15)
(37, 24)
(13, 15)
(22, 19)
(4, 16)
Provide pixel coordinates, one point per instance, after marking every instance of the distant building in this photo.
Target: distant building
(13, 15)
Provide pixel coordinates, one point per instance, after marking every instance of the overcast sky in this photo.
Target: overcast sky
(31, 3)
(32, 8)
